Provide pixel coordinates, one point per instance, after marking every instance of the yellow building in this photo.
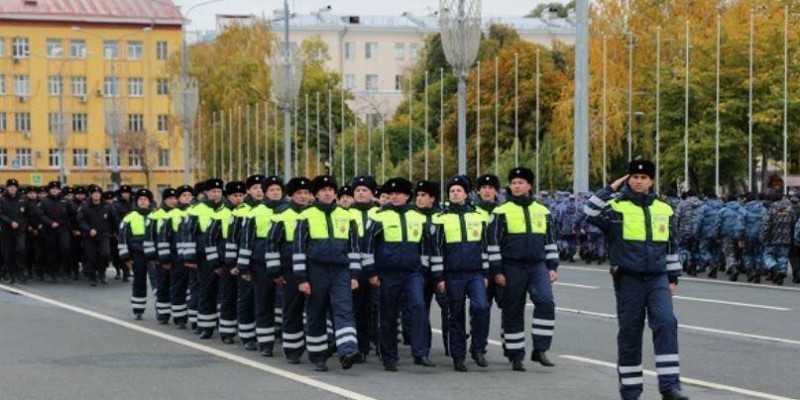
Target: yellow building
(75, 61)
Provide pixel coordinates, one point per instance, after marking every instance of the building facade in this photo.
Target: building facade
(70, 69)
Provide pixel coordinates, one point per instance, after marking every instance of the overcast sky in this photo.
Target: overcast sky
(203, 16)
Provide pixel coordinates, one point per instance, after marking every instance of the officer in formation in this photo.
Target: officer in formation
(645, 266)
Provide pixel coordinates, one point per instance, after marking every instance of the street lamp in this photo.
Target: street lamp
(287, 71)
(460, 21)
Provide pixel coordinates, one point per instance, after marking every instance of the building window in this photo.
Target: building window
(398, 82)
(3, 121)
(163, 158)
(163, 122)
(54, 158)
(80, 122)
(53, 122)
(22, 122)
(24, 157)
(111, 86)
(20, 47)
(3, 157)
(135, 87)
(372, 82)
(22, 85)
(110, 49)
(135, 122)
(80, 157)
(109, 161)
(350, 81)
(2, 84)
(162, 86)
(2, 47)
(413, 51)
(55, 48)
(349, 51)
(371, 50)
(399, 51)
(162, 50)
(135, 50)
(77, 48)
(79, 86)
(55, 85)
(134, 158)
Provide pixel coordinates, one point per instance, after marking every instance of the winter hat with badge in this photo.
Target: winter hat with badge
(429, 187)
(168, 192)
(272, 180)
(199, 187)
(296, 184)
(323, 181)
(645, 167)
(94, 188)
(53, 184)
(143, 193)
(12, 182)
(235, 187)
(459, 180)
(365, 180)
(256, 179)
(345, 190)
(489, 179)
(184, 189)
(80, 190)
(522, 173)
(399, 185)
(214, 183)
(30, 189)
(109, 195)
(68, 190)
(125, 189)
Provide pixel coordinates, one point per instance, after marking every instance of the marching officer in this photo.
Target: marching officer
(194, 234)
(460, 266)
(523, 256)
(94, 221)
(55, 221)
(169, 256)
(365, 297)
(279, 266)
(324, 246)
(159, 219)
(223, 260)
(488, 189)
(132, 249)
(33, 241)
(645, 267)
(346, 199)
(76, 239)
(395, 260)
(13, 216)
(122, 206)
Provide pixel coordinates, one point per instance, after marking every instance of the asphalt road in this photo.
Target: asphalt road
(71, 341)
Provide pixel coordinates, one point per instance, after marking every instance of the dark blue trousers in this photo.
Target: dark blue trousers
(179, 280)
(228, 293)
(410, 286)
(523, 281)
(294, 342)
(330, 292)
(459, 286)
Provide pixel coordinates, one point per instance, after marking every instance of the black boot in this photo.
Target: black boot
(320, 366)
(712, 272)
(480, 359)
(267, 353)
(673, 394)
(733, 277)
(250, 345)
(206, 334)
(518, 366)
(779, 278)
(424, 361)
(347, 360)
(459, 366)
(541, 358)
(796, 277)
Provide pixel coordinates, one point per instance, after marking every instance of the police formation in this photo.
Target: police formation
(349, 271)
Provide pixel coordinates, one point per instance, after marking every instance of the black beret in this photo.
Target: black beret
(522, 173)
(54, 184)
(399, 185)
(213, 183)
(235, 187)
(12, 182)
(642, 167)
(431, 188)
(168, 192)
(184, 189)
(489, 179)
(364, 180)
(296, 184)
(257, 179)
(272, 180)
(125, 189)
(459, 180)
(346, 190)
(323, 181)
(143, 193)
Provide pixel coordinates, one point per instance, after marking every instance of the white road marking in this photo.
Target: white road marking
(685, 380)
(732, 303)
(688, 327)
(336, 390)
(576, 285)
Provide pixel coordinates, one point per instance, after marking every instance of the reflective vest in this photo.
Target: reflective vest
(224, 215)
(262, 217)
(458, 228)
(175, 215)
(137, 223)
(401, 227)
(322, 226)
(521, 220)
(635, 220)
(360, 219)
(203, 213)
(289, 217)
(159, 216)
(242, 210)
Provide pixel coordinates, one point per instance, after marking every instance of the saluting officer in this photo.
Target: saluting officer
(327, 264)
(645, 265)
(132, 237)
(523, 256)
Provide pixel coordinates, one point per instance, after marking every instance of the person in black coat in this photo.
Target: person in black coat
(12, 232)
(55, 225)
(93, 221)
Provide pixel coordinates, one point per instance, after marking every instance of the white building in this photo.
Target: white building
(373, 52)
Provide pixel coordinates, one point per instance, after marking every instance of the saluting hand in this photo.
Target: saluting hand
(619, 182)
